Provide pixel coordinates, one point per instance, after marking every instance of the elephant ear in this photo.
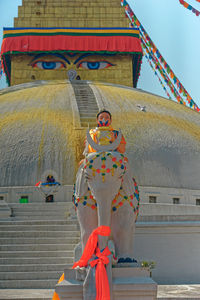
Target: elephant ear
(81, 183)
(128, 184)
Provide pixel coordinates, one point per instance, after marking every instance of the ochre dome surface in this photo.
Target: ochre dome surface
(40, 130)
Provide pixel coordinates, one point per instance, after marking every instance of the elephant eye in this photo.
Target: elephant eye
(94, 65)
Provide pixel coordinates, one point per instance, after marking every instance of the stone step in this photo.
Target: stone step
(85, 109)
(39, 240)
(28, 284)
(85, 101)
(36, 260)
(30, 275)
(42, 206)
(87, 119)
(88, 114)
(26, 294)
(90, 125)
(86, 98)
(39, 227)
(38, 217)
(38, 254)
(40, 211)
(37, 234)
(12, 221)
(38, 247)
(27, 206)
(33, 268)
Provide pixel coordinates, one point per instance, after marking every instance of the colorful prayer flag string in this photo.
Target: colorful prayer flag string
(164, 75)
(190, 7)
(155, 71)
(1, 69)
(158, 60)
(145, 42)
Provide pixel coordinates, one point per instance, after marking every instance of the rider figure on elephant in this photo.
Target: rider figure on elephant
(104, 133)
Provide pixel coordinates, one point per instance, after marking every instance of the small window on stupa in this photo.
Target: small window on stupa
(1, 198)
(176, 200)
(152, 199)
(23, 199)
(197, 201)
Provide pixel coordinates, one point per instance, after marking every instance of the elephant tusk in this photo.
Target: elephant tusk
(100, 148)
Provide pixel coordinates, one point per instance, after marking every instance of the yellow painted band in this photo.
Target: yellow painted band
(69, 31)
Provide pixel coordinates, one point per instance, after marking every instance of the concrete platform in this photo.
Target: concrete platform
(129, 282)
(165, 292)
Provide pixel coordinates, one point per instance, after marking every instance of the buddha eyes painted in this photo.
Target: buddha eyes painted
(94, 65)
(48, 65)
(47, 62)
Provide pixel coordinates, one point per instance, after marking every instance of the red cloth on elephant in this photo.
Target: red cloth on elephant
(91, 245)
(102, 284)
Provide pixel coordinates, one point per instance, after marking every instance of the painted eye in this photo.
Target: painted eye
(94, 65)
(48, 65)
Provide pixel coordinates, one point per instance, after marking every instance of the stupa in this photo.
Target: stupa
(64, 61)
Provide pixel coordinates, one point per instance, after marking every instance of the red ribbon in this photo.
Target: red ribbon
(91, 245)
(102, 284)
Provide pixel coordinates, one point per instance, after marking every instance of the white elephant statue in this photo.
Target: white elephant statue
(107, 194)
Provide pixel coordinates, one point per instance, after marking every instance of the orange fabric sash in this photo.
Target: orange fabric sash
(91, 247)
(102, 283)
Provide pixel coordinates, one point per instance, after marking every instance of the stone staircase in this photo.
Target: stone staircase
(42, 211)
(86, 102)
(36, 245)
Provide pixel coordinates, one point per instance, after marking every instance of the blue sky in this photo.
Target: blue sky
(173, 29)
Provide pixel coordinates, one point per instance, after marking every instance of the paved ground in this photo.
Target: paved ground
(179, 292)
(165, 292)
(19, 294)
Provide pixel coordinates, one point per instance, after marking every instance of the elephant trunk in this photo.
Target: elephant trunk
(104, 194)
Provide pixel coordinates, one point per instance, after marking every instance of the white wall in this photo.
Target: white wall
(174, 246)
(164, 195)
(13, 194)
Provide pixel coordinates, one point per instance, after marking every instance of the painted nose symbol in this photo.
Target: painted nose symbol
(72, 74)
